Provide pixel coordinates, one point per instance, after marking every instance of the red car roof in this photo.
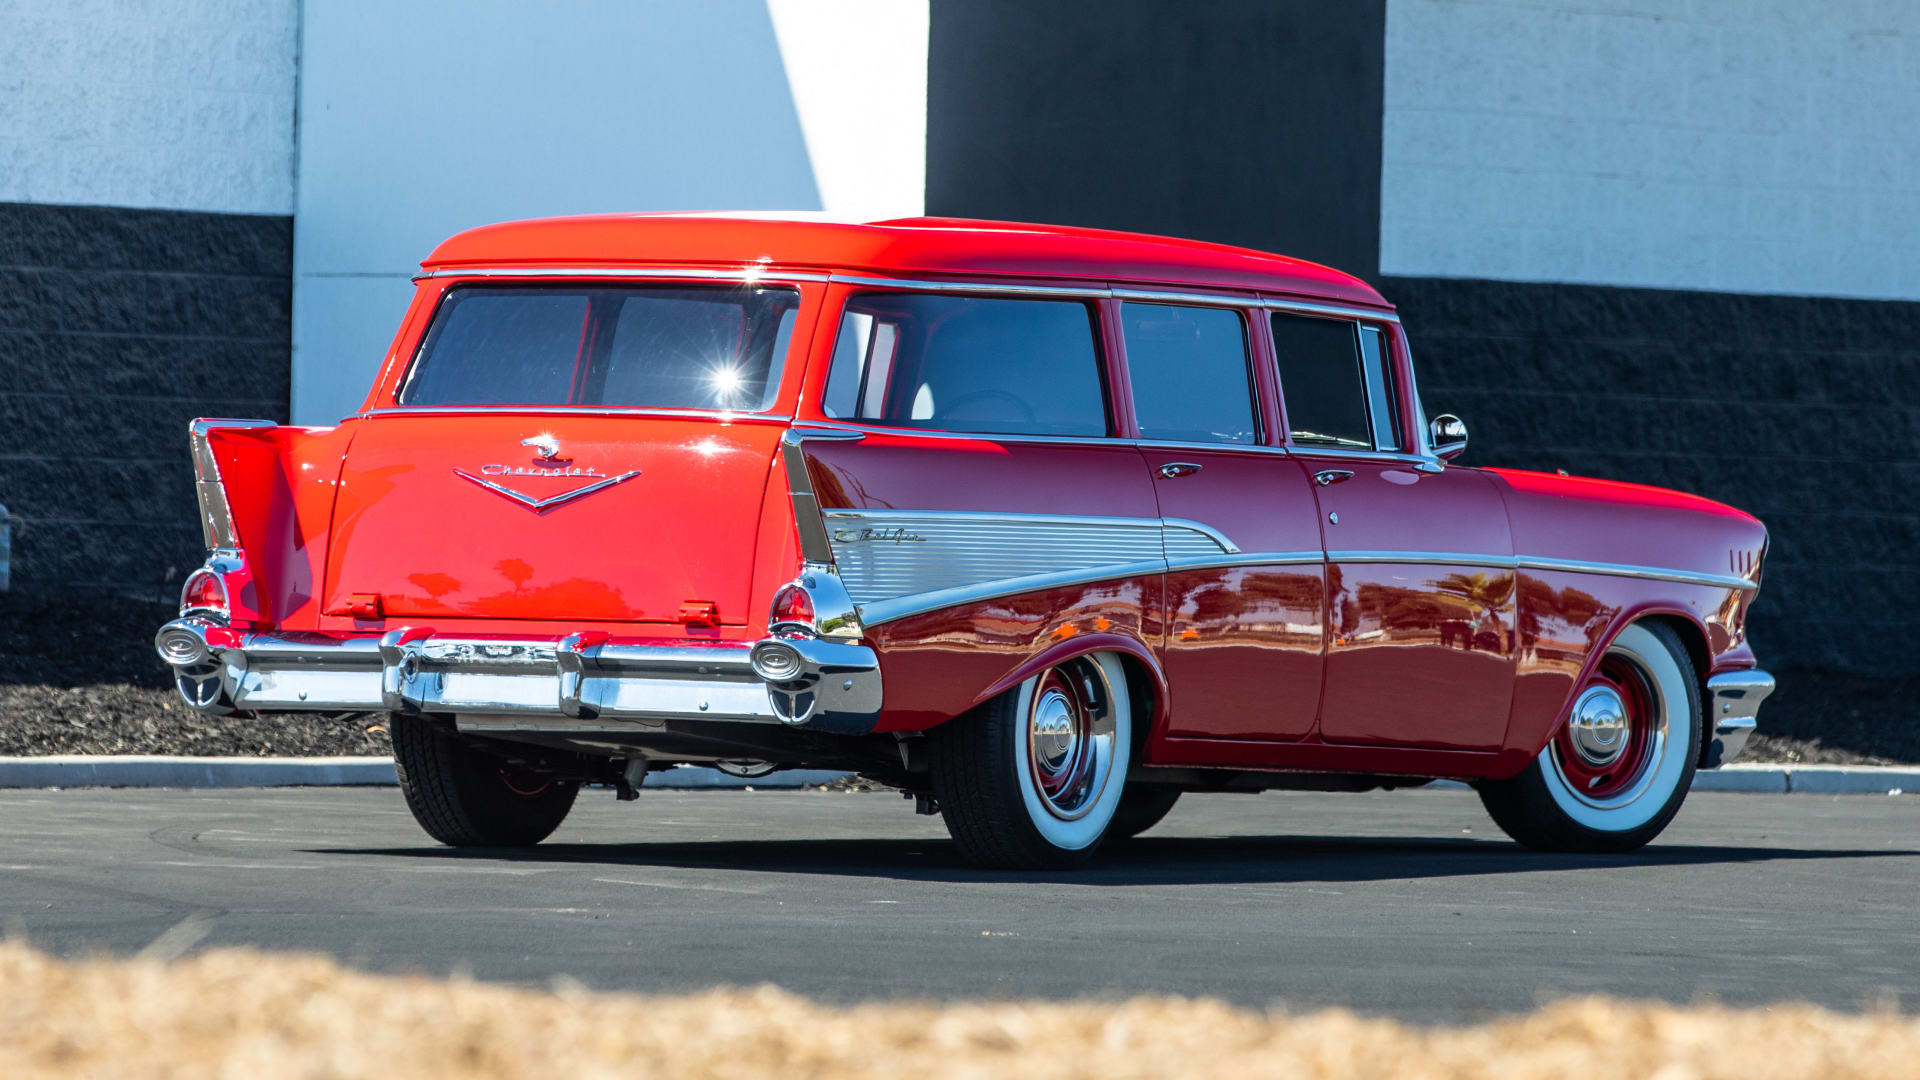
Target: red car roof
(904, 246)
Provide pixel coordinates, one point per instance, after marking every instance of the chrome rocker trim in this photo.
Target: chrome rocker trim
(1733, 710)
(581, 682)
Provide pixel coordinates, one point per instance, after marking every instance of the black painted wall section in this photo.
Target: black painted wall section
(1239, 121)
(117, 327)
(1798, 410)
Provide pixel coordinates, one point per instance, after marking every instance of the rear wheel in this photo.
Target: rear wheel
(1031, 780)
(465, 798)
(1622, 761)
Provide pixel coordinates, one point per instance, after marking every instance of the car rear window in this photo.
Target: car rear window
(671, 347)
(967, 363)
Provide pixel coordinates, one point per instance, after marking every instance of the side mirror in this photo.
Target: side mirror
(1447, 436)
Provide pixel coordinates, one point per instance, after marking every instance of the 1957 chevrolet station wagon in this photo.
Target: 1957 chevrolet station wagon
(1043, 526)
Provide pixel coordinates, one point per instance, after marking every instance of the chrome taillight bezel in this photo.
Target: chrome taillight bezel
(834, 614)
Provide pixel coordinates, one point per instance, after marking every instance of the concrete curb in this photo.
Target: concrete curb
(1811, 779)
(157, 771)
(1794, 780)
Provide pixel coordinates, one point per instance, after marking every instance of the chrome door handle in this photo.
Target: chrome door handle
(1332, 476)
(1178, 468)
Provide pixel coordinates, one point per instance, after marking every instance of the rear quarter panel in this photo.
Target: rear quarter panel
(941, 663)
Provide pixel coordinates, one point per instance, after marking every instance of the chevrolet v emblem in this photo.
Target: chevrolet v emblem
(541, 505)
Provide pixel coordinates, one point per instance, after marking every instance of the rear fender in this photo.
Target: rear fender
(266, 503)
(1084, 645)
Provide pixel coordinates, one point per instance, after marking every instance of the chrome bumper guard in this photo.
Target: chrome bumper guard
(525, 685)
(1733, 709)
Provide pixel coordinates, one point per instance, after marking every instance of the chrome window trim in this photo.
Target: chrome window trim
(1170, 444)
(972, 436)
(727, 415)
(1329, 311)
(989, 288)
(1394, 456)
(746, 274)
(1149, 296)
(1057, 440)
(752, 274)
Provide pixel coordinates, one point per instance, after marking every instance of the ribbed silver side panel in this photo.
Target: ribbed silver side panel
(889, 554)
(1185, 544)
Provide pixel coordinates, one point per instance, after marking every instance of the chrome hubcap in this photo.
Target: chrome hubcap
(1054, 736)
(1598, 726)
(1070, 738)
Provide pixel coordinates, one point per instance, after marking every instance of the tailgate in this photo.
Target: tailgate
(568, 517)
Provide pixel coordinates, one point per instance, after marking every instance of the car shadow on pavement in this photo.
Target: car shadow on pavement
(1239, 860)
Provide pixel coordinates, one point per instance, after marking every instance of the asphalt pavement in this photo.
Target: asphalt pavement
(1408, 904)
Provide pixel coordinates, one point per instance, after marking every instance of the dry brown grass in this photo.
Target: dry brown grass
(243, 1014)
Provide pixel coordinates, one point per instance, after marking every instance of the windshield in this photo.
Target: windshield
(673, 347)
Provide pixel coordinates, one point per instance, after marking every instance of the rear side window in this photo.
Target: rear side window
(1321, 382)
(962, 363)
(672, 347)
(1188, 367)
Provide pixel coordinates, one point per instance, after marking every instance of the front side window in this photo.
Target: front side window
(670, 347)
(1188, 367)
(965, 363)
(1322, 383)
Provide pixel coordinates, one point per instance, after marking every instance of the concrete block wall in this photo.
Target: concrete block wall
(146, 183)
(117, 327)
(1798, 411)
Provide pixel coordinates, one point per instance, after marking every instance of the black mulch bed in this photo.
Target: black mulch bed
(78, 676)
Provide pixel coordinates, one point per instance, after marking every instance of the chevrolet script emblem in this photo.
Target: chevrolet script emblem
(548, 503)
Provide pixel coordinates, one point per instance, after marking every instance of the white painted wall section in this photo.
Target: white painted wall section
(858, 69)
(1742, 145)
(171, 104)
(418, 120)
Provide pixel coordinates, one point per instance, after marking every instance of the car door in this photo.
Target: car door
(1245, 586)
(1420, 579)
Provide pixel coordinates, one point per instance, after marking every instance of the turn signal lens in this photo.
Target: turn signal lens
(791, 606)
(204, 594)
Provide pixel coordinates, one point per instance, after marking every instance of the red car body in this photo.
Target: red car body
(1410, 619)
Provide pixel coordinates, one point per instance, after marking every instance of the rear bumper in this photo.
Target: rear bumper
(572, 683)
(1733, 710)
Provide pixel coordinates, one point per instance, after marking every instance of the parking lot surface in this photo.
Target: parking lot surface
(1407, 904)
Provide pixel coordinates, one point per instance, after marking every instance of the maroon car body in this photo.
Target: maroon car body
(640, 490)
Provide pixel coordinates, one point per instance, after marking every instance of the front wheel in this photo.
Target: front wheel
(465, 798)
(1031, 779)
(1622, 761)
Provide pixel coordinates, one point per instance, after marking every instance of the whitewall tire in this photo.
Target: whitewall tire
(1031, 779)
(1621, 761)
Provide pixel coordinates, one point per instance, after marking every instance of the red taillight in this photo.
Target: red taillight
(791, 607)
(205, 593)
